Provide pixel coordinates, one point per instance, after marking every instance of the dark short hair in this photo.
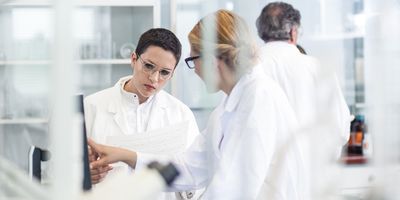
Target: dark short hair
(160, 37)
(276, 21)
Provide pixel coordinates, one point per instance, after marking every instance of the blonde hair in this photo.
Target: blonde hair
(233, 44)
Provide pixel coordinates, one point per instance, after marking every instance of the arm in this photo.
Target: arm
(98, 173)
(342, 113)
(101, 156)
(249, 153)
(192, 164)
(108, 155)
(193, 129)
(243, 168)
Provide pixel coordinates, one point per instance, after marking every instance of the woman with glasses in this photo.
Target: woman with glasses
(137, 103)
(247, 150)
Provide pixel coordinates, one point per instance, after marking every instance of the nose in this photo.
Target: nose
(154, 76)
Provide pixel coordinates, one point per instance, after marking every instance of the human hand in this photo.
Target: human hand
(107, 155)
(97, 174)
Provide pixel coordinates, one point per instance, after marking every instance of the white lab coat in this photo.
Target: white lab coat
(313, 91)
(104, 116)
(316, 97)
(247, 150)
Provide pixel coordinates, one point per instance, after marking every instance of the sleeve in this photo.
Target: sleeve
(193, 130)
(339, 117)
(342, 113)
(191, 165)
(241, 175)
(243, 168)
(248, 152)
(336, 115)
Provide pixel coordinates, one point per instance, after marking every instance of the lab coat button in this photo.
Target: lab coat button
(189, 195)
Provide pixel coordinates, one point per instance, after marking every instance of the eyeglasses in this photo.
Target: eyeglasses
(190, 61)
(151, 69)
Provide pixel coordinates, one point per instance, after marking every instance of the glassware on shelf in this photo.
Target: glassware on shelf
(356, 136)
(127, 49)
(357, 150)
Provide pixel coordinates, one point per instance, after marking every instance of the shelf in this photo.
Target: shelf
(81, 62)
(360, 105)
(24, 121)
(105, 61)
(85, 3)
(155, 4)
(25, 62)
(335, 36)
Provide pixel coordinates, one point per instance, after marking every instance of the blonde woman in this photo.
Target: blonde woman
(238, 155)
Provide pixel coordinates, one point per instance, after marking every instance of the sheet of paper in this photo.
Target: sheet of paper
(164, 141)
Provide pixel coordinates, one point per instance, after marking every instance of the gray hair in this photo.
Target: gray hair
(276, 21)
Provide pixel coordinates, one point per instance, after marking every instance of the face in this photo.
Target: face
(152, 70)
(209, 75)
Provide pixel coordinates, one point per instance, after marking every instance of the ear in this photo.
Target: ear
(293, 35)
(219, 63)
(133, 59)
(222, 67)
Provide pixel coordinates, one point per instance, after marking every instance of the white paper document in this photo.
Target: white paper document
(164, 141)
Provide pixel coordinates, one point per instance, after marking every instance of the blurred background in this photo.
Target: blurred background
(359, 39)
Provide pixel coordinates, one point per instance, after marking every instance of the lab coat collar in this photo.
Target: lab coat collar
(232, 100)
(282, 45)
(115, 108)
(129, 97)
(115, 105)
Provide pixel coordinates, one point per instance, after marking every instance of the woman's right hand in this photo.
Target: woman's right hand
(108, 155)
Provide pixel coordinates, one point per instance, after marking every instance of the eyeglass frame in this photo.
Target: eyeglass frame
(152, 71)
(191, 58)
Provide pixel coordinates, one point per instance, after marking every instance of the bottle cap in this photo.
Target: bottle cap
(360, 118)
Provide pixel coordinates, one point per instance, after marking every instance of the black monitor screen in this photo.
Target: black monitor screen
(87, 183)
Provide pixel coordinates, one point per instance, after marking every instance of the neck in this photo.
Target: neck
(228, 83)
(228, 89)
(130, 87)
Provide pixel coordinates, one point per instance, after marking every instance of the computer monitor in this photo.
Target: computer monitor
(87, 182)
(37, 155)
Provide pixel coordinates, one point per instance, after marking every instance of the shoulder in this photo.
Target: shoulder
(308, 64)
(260, 81)
(309, 59)
(264, 104)
(102, 97)
(268, 53)
(264, 90)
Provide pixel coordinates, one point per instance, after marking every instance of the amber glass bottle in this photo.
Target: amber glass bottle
(355, 145)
